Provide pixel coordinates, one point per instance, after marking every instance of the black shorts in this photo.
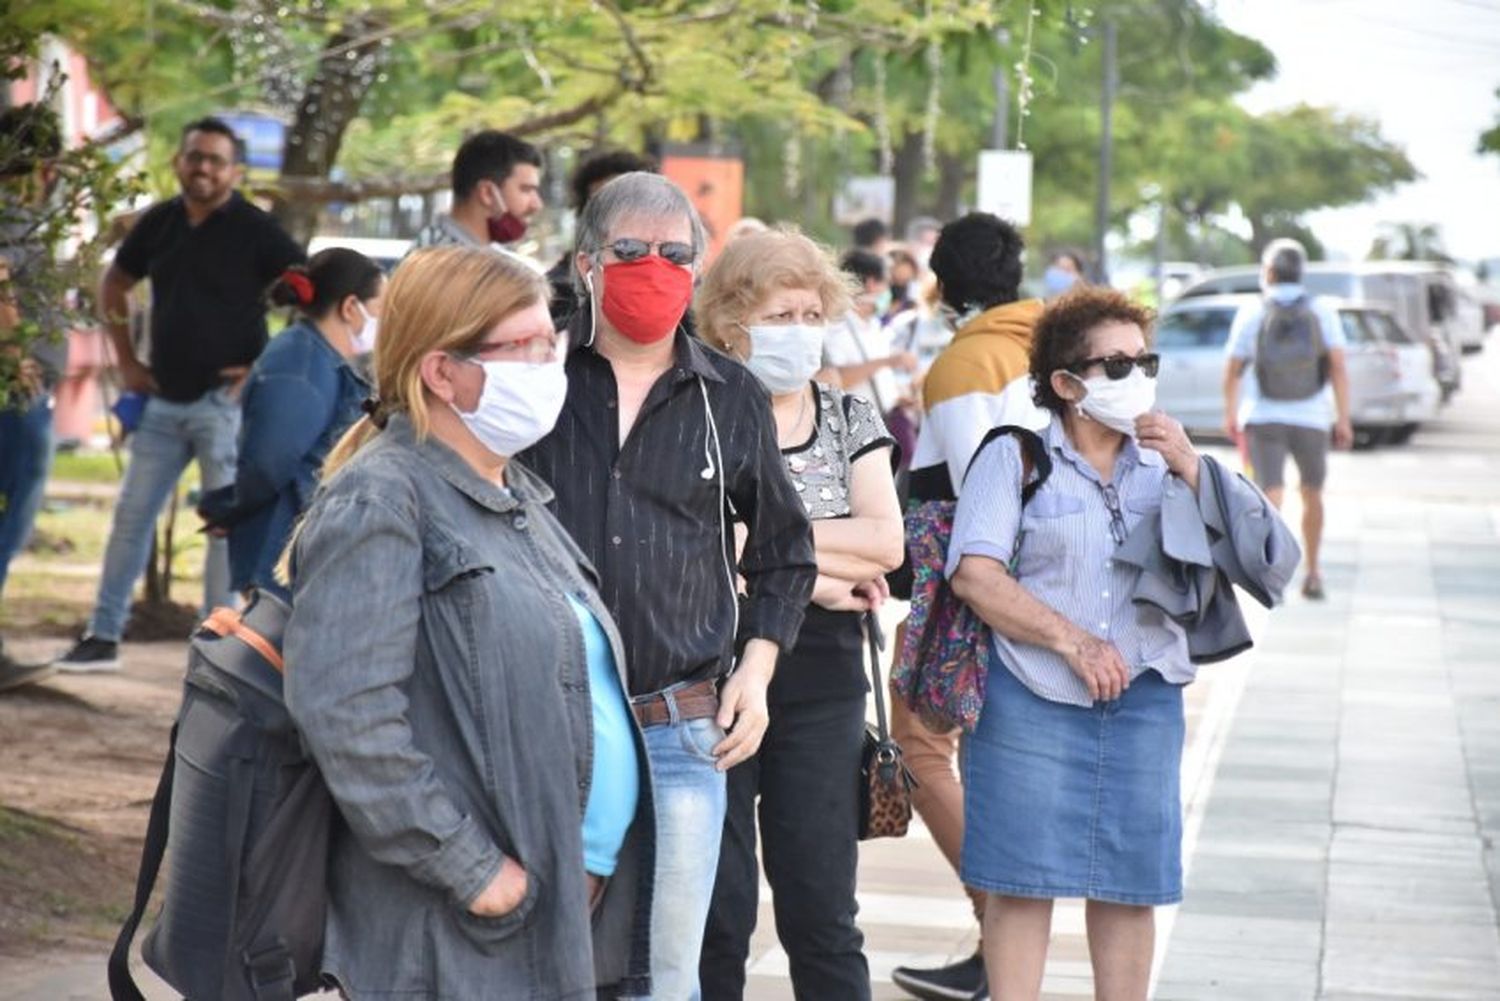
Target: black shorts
(1269, 445)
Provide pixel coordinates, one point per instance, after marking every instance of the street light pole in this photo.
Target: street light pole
(1000, 126)
(1106, 149)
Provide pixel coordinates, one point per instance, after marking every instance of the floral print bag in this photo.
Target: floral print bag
(941, 666)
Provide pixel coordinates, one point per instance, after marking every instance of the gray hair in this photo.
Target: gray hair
(637, 193)
(1284, 260)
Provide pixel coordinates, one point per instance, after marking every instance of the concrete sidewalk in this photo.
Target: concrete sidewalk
(1349, 845)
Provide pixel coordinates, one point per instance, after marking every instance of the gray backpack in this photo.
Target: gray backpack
(243, 817)
(1291, 362)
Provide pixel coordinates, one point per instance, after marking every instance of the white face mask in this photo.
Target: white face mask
(519, 405)
(1116, 403)
(784, 358)
(364, 341)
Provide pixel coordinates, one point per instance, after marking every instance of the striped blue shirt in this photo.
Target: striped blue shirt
(1067, 538)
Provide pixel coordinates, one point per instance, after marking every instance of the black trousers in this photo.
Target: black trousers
(806, 777)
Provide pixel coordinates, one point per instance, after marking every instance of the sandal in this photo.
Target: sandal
(1312, 589)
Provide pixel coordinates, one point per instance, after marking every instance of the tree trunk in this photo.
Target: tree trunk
(953, 172)
(1260, 235)
(907, 168)
(329, 103)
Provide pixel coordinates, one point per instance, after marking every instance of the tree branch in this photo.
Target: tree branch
(320, 190)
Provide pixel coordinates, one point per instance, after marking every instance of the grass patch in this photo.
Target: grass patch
(51, 588)
(16, 826)
(85, 467)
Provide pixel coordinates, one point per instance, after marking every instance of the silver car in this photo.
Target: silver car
(1392, 387)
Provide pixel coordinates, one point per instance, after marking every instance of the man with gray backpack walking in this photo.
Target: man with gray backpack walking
(1286, 389)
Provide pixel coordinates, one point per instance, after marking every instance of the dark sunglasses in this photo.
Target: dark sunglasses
(630, 249)
(1117, 367)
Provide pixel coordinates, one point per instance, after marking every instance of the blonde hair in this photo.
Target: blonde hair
(440, 299)
(753, 266)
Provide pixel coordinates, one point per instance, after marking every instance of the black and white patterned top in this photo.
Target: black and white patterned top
(846, 426)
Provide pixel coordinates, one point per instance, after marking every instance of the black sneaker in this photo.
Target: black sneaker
(961, 981)
(14, 674)
(90, 655)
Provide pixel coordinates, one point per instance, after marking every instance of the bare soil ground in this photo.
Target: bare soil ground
(79, 755)
(78, 766)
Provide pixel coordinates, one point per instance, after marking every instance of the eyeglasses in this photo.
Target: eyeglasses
(193, 158)
(1116, 515)
(536, 350)
(1117, 367)
(672, 251)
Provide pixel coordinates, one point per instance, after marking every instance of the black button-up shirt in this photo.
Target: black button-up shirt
(208, 285)
(650, 521)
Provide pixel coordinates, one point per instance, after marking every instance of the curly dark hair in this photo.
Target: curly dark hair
(603, 166)
(1062, 334)
(977, 259)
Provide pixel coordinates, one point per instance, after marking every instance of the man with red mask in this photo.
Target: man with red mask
(497, 191)
(662, 443)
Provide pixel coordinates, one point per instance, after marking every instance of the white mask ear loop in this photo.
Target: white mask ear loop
(726, 535)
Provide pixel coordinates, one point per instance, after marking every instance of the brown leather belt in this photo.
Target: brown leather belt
(699, 700)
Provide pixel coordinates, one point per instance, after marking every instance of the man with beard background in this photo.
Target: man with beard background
(210, 255)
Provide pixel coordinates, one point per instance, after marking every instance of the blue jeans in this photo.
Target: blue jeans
(25, 458)
(170, 436)
(690, 801)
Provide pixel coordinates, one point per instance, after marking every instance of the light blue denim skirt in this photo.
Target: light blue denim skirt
(1063, 801)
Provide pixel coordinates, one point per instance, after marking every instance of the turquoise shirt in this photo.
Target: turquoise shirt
(615, 788)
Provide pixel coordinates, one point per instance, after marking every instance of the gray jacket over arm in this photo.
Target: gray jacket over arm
(1201, 546)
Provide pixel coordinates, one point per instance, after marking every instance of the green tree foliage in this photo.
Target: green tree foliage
(379, 92)
(1409, 241)
(1274, 167)
(1489, 139)
(55, 205)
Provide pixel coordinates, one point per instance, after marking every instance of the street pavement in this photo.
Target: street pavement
(1341, 781)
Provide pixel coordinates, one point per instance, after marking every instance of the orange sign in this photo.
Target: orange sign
(716, 184)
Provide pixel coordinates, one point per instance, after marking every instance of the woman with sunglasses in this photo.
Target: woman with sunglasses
(456, 676)
(1071, 775)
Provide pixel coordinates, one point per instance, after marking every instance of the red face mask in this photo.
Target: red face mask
(506, 229)
(645, 299)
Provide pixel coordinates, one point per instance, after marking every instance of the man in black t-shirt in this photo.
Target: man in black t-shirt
(210, 255)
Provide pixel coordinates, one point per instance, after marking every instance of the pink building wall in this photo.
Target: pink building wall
(86, 113)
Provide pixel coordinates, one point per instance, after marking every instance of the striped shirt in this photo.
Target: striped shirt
(444, 231)
(647, 514)
(1067, 536)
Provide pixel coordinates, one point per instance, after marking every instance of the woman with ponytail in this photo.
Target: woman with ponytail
(300, 398)
(457, 678)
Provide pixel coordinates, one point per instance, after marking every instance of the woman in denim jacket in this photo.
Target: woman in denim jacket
(301, 396)
(456, 677)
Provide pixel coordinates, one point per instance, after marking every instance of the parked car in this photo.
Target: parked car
(1477, 309)
(385, 252)
(1392, 386)
(1422, 295)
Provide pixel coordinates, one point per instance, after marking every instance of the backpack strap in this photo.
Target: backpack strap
(122, 987)
(227, 622)
(1034, 457)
